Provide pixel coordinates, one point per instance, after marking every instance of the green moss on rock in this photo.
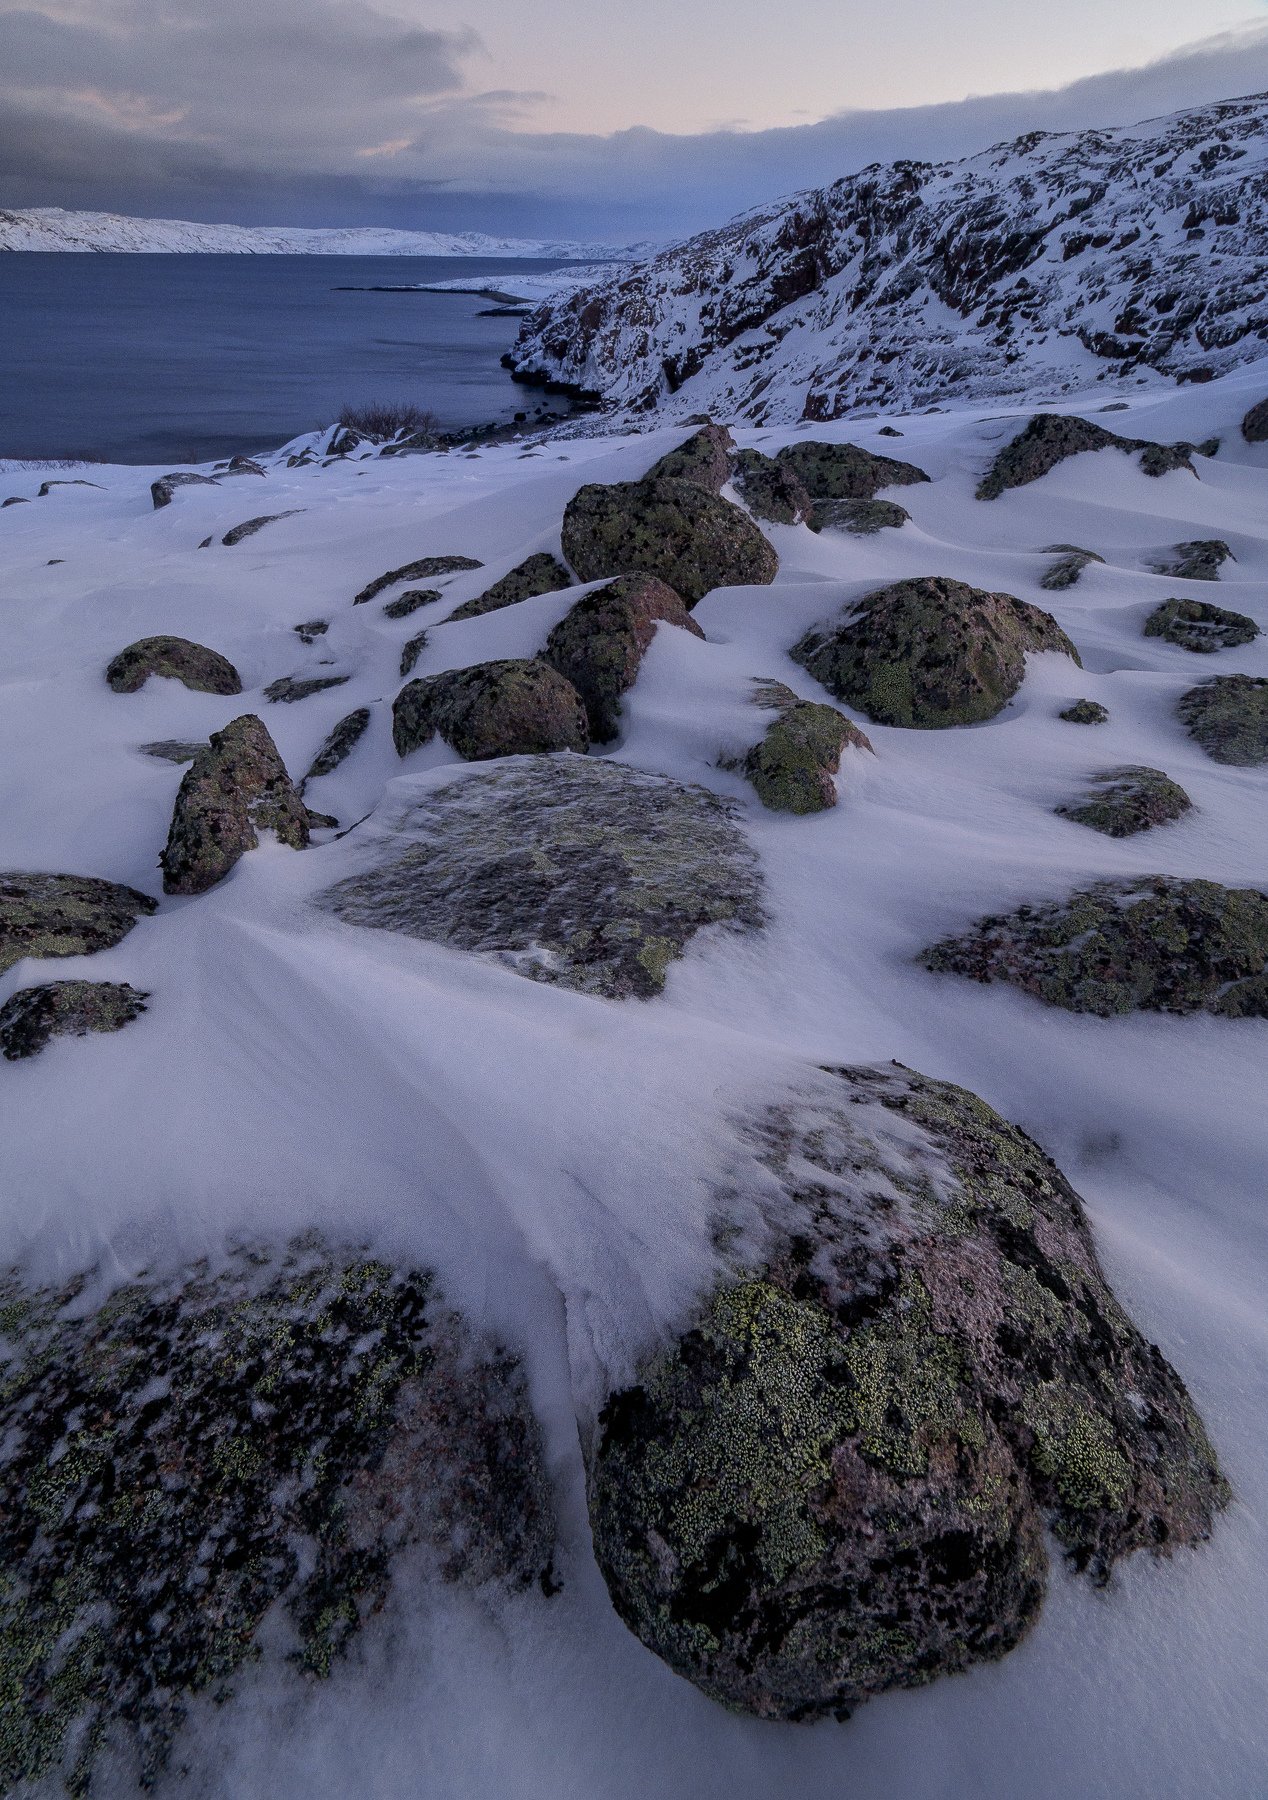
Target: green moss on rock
(793, 765)
(844, 471)
(861, 518)
(33, 1016)
(540, 574)
(600, 643)
(517, 707)
(690, 539)
(236, 787)
(1069, 566)
(64, 915)
(1198, 560)
(1124, 801)
(705, 459)
(1228, 716)
(1197, 625)
(206, 671)
(772, 490)
(1085, 712)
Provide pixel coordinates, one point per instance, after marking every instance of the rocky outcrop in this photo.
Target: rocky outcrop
(861, 518)
(600, 642)
(1085, 712)
(1050, 438)
(162, 490)
(706, 459)
(584, 873)
(341, 742)
(1124, 801)
(517, 707)
(1255, 424)
(289, 688)
(837, 1481)
(539, 574)
(426, 568)
(236, 787)
(249, 527)
(793, 765)
(687, 537)
(64, 915)
(1199, 560)
(1069, 566)
(409, 602)
(1157, 943)
(844, 471)
(929, 652)
(206, 671)
(189, 1457)
(771, 490)
(33, 1016)
(1199, 626)
(1228, 716)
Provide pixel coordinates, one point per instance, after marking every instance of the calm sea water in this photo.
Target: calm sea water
(179, 358)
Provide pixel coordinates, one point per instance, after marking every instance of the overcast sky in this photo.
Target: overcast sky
(651, 117)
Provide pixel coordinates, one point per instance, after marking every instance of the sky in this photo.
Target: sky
(562, 117)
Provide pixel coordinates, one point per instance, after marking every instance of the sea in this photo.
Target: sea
(184, 358)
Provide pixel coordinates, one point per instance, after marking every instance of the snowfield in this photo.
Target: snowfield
(552, 1154)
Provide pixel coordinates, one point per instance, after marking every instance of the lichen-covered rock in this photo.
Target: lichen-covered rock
(600, 642)
(1069, 566)
(290, 688)
(1050, 437)
(249, 527)
(1085, 712)
(409, 602)
(772, 490)
(837, 1481)
(517, 707)
(192, 1454)
(539, 574)
(175, 750)
(691, 539)
(236, 788)
(793, 765)
(34, 1015)
(1198, 560)
(1124, 801)
(162, 490)
(584, 873)
(706, 459)
(1255, 424)
(206, 671)
(343, 739)
(426, 568)
(1198, 625)
(1228, 716)
(844, 471)
(411, 650)
(64, 915)
(1156, 943)
(861, 518)
(930, 652)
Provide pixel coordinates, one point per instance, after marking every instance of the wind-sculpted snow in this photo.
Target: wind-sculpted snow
(1039, 266)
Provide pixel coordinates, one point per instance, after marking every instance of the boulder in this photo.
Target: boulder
(1124, 801)
(539, 574)
(861, 518)
(1198, 560)
(793, 765)
(837, 1480)
(214, 1466)
(34, 1015)
(930, 652)
(705, 459)
(1050, 437)
(426, 568)
(411, 650)
(600, 642)
(161, 491)
(772, 490)
(64, 915)
(1255, 424)
(206, 671)
(1228, 716)
(692, 540)
(517, 707)
(346, 735)
(236, 787)
(1085, 712)
(584, 873)
(1156, 943)
(1197, 625)
(844, 471)
(249, 527)
(290, 688)
(409, 602)
(1069, 566)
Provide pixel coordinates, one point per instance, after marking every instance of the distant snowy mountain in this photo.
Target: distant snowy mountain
(51, 228)
(1038, 267)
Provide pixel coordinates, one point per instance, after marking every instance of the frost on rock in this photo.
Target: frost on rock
(837, 1481)
(1124, 801)
(584, 873)
(1228, 716)
(929, 652)
(33, 1016)
(236, 787)
(1156, 943)
(1198, 625)
(517, 707)
(600, 643)
(192, 1452)
(792, 767)
(64, 915)
(676, 530)
(203, 670)
(539, 574)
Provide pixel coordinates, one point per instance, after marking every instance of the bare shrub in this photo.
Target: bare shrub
(389, 419)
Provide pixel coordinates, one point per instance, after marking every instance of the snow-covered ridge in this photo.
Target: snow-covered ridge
(1040, 267)
(51, 228)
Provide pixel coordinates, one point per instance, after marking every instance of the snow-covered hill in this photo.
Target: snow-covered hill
(51, 228)
(1040, 267)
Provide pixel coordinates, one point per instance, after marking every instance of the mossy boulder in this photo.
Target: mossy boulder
(64, 915)
(584, 873)
(1157, 943)
(772, 490)
(837, 1481)
(1124, 801)
(689, 538)
(705, 459)
(206, 671)
(290, 688)
(792, 767)
(426, 568)
(1198, 560)
(1255, 424)
(1228, 716)
(340, 743)
(1085, 712)
(34, 1015)
(861, 518)
(1050, 438)
(236, 787)
(517, 707)
(929, 652)
(600, 642)
(1199, 626)
(844, 471)
(206, 1467)
(540, 574)
(1069, 566)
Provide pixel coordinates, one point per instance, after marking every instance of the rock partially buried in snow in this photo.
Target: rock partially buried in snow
(1228, 716)
(162, 490)
(64, 915)
(1069, 566)
(793, 766)
(1085, 712)
(175, 750)
(341, 742)
(584, 873)
(1124, 801)
(176, 658)
(1199, 560)
(844, 471)
(249, 527)
(930, 652)
(290, 688)
(1255, 424)
(517, 707)
(772, 490)
(1156, 943)
(689, 538)
(409, 602)
(200, 1464)
(236, 788)
(33, 1016)
(861, 518)
(600, 642)
(837, 1481)
(1050, 438)
(1199, 626)
(705, 459)
(539, 574)
(426, 568)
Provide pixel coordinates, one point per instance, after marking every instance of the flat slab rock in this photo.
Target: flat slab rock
(578, 872)
(33, 1016)
(64, 915)
(837, 1481)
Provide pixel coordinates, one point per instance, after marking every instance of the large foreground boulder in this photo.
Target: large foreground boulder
(1124, 801)
(235, 788)
(517, 707)
(930, 652)
(1199, 626)
(204, 670)
(584, 873)
(838, 1480)
(793, 766)
(64, 915)
(676, 530)
(539, 574)
(33, 1016)
(1051, 437)
(207, 1467)
(1228, 716)
(600, 642)
(1155, 943)
(844, 471)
